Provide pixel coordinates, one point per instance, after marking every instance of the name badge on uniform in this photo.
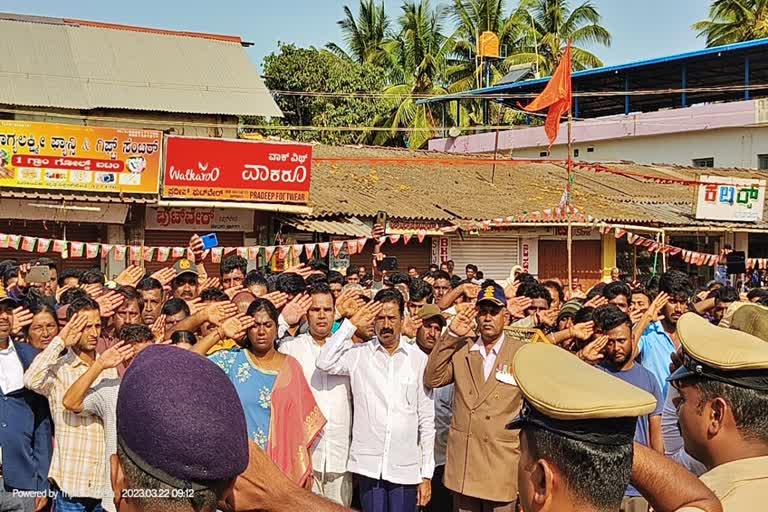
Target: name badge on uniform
(504, 374)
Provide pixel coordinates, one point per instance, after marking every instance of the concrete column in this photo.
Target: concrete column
(741, 242)
(608, 255)
(115, 235)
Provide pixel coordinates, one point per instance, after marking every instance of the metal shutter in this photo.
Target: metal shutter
(494, 254)
(414, 254)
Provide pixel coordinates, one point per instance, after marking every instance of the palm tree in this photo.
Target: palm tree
(552, 24)
(364, 36)
(732, 21)
(417, 62)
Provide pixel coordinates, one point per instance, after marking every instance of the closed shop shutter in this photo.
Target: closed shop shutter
(181, 239)
(553, 261)
(494, 254)
(414, 254)
(53, 230)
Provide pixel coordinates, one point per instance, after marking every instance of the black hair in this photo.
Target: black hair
(45, 262)
(136, 333)
(290, 283)
(724, 294)
(613, 290)
(535, 291)
(183, 337)
(213, 295)
(652, 284)
(442, 274)
(149, 283)
(234, 262)
(557, 287)
(525, 278)
(314, 279)
(69, 273)
(263, 305)
(455, 281)
(254, 277)
(434, 267)
(321, 288)
(412, 267)
(174, 307)
(420, 290)
(583, 315)
(471, 266)
(388, 295)
(71, 295)
(747, 405)
(610, 317)
(137, 478)
(93, 276)
(10, 272)
(335, 277)
(35, 302)
(479, 274)
(351, 270)
(129, 293)
(596, 291)
(675, 284)
(320, 265)
(755, 293)
(185, 278)
(81, 304)
(594, 474)
(643, 291)
(399, 278)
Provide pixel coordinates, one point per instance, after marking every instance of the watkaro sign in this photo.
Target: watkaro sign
(731, 199)
(236, 170)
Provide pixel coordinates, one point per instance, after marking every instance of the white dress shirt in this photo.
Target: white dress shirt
(11, 371)
(330, 450)
(393, 433)
(489, 359)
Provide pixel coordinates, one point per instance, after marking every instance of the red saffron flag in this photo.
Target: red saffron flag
(556, 96)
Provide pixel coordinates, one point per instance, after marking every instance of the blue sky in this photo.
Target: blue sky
(641, 29)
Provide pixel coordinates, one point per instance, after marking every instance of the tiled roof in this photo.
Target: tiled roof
(50, 195)
(349, 181)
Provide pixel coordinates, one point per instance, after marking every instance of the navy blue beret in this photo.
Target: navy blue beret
(180, 420)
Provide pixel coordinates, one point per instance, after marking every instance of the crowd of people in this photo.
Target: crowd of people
(385, 391)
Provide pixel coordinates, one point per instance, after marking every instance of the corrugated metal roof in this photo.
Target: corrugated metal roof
(349, 226)
(49, 195)
(463, 190)
(64, 64)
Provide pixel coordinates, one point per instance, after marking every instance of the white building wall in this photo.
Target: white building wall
(730, 147)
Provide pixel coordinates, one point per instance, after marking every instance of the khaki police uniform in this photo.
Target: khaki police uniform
(740, 359)
(572, 399)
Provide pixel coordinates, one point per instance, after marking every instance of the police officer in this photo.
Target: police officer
(577, 427)
(723, 387)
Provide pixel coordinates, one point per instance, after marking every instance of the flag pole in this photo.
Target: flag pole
(569, 168)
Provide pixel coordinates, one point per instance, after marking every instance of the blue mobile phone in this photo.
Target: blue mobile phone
(209, 241)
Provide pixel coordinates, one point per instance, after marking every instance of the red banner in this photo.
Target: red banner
(234, 170)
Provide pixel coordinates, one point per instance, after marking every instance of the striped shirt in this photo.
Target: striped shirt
(78, 465)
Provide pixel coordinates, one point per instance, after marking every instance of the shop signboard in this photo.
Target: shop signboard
(47, 156)
(200, 220)
(731, 199)
(236, 170)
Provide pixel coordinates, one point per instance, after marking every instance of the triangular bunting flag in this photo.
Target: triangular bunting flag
(105, 248)
(393, 239)
(406, 239)
(297, 250)
(76, 249)
(91, 250)
(178, 252)
(269, 252)
(631, 238)
(323, 247)
(43, 244)
(134, 253)
(28, 243)
(361, 244)
(216, 253)
(119, 254)
(242, 252)
(3, 241)
(59, 246)
(352, 247)
(163, 253)
(420, 235)
(148, 253)
(337, 245)
(282, 252)
(14, 241)
(309, 250)
(253, 252)
(620, 232)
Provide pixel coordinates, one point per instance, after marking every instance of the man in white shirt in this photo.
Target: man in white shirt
(393, 435)
(332, 393)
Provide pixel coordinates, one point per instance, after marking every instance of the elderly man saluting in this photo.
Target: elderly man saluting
(482, 454)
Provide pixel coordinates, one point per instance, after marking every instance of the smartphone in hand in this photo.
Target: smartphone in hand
(209, 241)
